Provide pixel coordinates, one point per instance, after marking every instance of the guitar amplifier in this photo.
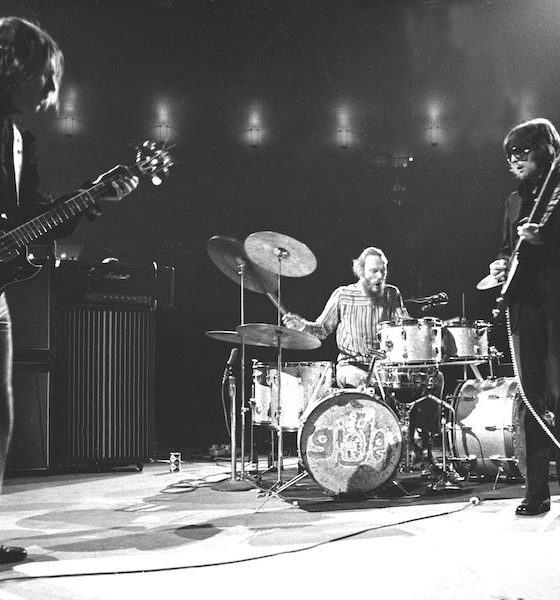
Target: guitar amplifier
(115, 284)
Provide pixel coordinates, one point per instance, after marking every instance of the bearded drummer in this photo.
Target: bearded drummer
(355, 311)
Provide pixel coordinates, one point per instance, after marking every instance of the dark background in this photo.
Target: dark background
(439, 81)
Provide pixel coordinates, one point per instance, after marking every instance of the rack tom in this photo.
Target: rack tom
(411, 341)
(465, 340)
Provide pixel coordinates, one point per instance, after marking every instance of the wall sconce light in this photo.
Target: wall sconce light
(69, 125)
(345, 138)
(434, 134)
(163, 132)
(254, 137)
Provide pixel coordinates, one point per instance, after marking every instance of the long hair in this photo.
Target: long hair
(538, 134)
(28, 53)
(358, 263)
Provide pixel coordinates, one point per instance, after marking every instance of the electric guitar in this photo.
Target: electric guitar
(15, 265)
(549, 194)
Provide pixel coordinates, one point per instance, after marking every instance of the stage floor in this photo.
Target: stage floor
(152, 534)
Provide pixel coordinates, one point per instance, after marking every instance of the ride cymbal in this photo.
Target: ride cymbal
(265, 334)
(275, 251)
(229, 255)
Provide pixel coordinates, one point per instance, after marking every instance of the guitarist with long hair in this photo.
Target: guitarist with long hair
(31, 67)
(531, 242)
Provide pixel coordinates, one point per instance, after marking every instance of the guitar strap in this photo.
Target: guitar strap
(18, 159)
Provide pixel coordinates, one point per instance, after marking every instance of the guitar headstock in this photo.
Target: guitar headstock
(153, 160)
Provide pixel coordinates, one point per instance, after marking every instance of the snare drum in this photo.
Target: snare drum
(350, 442)
(399, 377)
(411, 340)
(487, 428)
(465, 340)
(302, 384)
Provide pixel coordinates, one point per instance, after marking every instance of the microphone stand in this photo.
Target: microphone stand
(233, 484)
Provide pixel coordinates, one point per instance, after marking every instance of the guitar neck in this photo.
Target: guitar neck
(58, 215)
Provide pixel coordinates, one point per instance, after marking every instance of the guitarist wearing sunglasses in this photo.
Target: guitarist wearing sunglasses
(31, 67)
(531, 243)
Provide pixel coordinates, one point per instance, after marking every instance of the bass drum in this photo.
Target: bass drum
(487, 428)
(350, 443)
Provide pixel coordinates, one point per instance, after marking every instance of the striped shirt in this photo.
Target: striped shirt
(356, 316)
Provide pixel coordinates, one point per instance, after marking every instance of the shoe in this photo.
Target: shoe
(530, 509)
(11, 554)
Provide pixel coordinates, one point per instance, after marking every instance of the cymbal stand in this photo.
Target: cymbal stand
(244, 409)
(235, 484)
(280, 254)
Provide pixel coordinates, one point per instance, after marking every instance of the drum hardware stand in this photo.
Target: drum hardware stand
(280, 254)
(444, 483)
(233, 484)
(469, 463)
(375, 372)
(501, 460)
(404, 417)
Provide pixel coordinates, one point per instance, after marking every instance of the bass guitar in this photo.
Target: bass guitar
(152, 161)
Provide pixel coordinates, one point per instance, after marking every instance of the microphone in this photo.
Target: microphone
(232, 357)
(435, 299)
(229, 363)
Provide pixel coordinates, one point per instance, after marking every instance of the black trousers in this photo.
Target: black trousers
(6, 393)
(535, 319)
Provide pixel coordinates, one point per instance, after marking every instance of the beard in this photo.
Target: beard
(375, 290)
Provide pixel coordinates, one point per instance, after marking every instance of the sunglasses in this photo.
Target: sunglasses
(519, 153)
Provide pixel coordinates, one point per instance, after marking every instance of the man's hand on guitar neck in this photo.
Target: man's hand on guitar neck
(121, 185)
(529, 232)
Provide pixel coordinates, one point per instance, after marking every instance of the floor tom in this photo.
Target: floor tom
(486, 426)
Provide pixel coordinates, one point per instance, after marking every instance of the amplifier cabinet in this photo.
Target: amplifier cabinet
(104, 385)
(32, 398)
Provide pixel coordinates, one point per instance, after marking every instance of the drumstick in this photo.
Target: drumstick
(274, 301)
(319, 384)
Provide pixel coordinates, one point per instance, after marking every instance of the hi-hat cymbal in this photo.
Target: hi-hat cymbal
(265, 334)
(488, 282)
(229, 255)
(266, 248)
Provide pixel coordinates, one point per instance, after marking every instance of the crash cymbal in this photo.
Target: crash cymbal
(265, 247)
(488, 282)
(265, 334)
(229, 255)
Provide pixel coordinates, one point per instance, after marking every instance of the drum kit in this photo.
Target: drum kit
(353, 441)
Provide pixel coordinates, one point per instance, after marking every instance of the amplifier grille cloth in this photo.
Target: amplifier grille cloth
(109, 382)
